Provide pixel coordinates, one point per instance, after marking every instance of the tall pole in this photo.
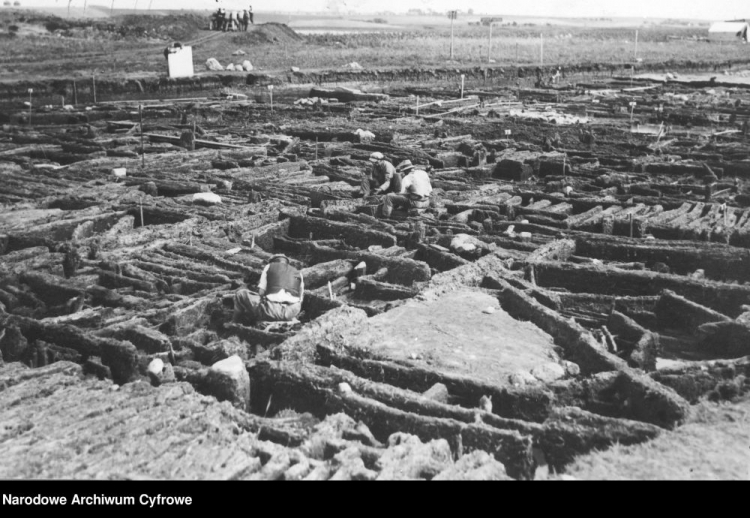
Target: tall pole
(452, 15)
(541, 49)
(143, 153)
(635, 54)
(489, 46)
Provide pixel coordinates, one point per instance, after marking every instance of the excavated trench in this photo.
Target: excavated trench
(571, 287)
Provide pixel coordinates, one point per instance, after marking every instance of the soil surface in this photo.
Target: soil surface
(714, 445)
(453, 334)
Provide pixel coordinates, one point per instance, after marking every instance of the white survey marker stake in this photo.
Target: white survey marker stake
(631, 103)
(507, 132)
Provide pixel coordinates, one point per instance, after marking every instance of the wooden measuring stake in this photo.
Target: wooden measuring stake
(330, 290)
(143, 153)
(316, 148)
(541, 50)
(140, 206)
(93, 82)
(462, 85)
(31, 91)
(417, 107)
(565, 156)
(75, 93)
(631, 224)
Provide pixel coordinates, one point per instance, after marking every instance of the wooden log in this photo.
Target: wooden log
(114, 281)
(718, 262)
(440, 260)
(401, 271)
(257, 150)
(321, 273)
(527, 403)
(579, 345)
(303, 226)
(51, 289)
(120, 357)
(309, 390)
(369, 289)
(676, 312)
(722, 297)
(649, 401)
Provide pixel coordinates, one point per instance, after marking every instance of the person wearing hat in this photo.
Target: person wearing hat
(415, 190)
(280, 293)
(383, 178)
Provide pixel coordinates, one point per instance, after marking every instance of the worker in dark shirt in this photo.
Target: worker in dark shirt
(382, 179)
(279, 298)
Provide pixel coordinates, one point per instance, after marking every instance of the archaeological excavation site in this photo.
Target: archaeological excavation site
(576, 289)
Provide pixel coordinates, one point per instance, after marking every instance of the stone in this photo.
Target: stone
(247, 66)
(477, 465)
(155, 367)
(206, 198)
(408, 458)
(239, 52)
(571, 369)
(485, 403)
(488, 310)
(438, 392)
(344, 388)
(548, 372)
(213, 64)
(295, 69)
(230, 67)
(521, 378)
(159, 372)
(228, 380)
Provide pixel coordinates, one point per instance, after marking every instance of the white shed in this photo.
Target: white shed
(728, 31)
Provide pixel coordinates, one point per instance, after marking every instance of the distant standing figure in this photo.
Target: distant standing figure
(172, 49)
(245, 20)
(556, 77)
(250, 12)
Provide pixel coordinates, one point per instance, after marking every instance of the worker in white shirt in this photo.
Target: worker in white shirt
(280, 293)
(415, 190)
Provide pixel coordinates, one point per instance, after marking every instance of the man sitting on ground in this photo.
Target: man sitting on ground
(415, 190)
(280, 293)
(383, 178)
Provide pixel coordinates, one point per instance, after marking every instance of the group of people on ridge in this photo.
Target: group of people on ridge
(232, 20)
(281, 287)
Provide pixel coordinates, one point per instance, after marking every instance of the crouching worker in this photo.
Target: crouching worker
(382, 179)
(415, 190)
(280, 292)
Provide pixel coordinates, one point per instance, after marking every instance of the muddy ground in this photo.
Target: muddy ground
(579, 283)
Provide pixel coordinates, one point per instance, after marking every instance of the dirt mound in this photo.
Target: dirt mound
(267, 33)
(176, 27)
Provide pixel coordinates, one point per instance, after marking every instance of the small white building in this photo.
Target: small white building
(728, 31)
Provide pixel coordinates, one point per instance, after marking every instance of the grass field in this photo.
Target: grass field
(43, 45)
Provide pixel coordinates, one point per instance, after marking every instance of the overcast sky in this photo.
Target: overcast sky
(702, 9)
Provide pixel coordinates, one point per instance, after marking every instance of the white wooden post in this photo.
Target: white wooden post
(541, 49)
